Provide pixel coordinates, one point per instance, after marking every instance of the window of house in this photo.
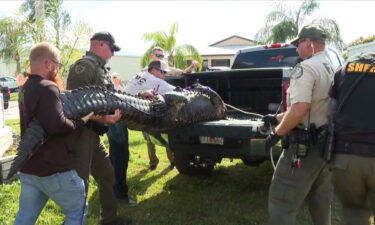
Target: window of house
(220, 62)
(205, 65)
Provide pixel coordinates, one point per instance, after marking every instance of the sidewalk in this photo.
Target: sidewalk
(6, 135)
(12, 111)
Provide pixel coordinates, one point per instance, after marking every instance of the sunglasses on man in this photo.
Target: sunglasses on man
(161, 56)
(60, 65)
(163, 71)
(110, 46)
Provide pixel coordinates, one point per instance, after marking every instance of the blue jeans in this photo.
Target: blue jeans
(66, 189)
(118, 138)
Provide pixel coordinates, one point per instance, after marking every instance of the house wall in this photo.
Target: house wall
(7, 70)
(126, 66)
(234, 41)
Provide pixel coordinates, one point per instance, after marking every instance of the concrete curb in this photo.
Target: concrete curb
(6, 139)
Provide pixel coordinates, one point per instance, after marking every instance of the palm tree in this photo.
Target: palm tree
(177, 55)
(14, 41)
(71, 40)
(59, 18)
(74, 47)
(34, 10)
(284, 23)
(41, 11)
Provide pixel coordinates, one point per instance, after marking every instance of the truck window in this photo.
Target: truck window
(280, 57)
(334, 58)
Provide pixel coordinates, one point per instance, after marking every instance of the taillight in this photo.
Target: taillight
(8, 91)
(285, 85)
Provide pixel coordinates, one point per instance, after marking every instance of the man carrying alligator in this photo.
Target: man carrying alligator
(157, 54)
(50, 172)
(89, 151)
(148, 83)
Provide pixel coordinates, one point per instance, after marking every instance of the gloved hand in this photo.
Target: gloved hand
(271, 141)
(270, 119)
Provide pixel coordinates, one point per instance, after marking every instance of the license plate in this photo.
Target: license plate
(211, 140)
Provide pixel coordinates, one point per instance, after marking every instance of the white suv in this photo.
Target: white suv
(9, 82)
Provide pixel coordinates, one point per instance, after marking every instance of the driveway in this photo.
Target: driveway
(12, 111)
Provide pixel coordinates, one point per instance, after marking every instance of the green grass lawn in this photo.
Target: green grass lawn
(233, 194)
(14, 96)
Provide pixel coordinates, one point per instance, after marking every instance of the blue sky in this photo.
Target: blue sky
(201, 22)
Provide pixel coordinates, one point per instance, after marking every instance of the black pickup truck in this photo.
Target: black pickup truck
(256, 83)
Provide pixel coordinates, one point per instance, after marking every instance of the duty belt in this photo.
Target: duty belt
(355, 148)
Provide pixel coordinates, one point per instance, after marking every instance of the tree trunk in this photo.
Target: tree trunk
(18, 63)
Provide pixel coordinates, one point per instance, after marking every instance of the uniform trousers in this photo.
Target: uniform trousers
(354, 181)
(89, 156)
(290, 187)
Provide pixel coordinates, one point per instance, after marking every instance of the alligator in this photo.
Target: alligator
(174, 109)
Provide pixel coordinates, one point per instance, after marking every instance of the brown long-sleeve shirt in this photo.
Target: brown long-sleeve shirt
(39, 99)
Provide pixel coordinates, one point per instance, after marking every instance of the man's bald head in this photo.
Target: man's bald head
(45, 60)
(43, 51)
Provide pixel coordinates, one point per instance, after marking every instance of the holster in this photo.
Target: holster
(299, 141)
(302, 140)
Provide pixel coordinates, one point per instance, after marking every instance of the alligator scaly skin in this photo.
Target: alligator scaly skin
(178, 108)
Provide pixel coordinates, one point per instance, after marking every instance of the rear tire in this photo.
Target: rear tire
(6, 105)
(252, 162)
(189, 164)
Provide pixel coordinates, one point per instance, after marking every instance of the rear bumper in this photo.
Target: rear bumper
(223, 128)
(242, 139)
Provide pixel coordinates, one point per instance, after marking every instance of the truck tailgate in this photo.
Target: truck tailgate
(228, 128)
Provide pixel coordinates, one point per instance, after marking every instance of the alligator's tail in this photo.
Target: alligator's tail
(31, 141)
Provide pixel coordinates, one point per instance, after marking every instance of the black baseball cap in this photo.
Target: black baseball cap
(106, 36)
(159, 64)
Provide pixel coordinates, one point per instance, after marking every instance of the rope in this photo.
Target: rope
(244, 112)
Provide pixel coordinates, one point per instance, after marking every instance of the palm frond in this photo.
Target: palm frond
(283, 31)
(309, 6)
(173, 30)
(283, 23)
(332, 30)
(177, 55)
(184, 53)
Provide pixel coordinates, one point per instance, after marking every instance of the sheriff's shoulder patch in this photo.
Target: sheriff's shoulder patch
(79, 68)
(297, 72)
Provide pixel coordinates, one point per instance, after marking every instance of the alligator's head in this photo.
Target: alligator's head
(218, 104)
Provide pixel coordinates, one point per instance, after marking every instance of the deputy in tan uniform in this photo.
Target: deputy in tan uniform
(353, 163)
(307, 99)
(90, 154)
